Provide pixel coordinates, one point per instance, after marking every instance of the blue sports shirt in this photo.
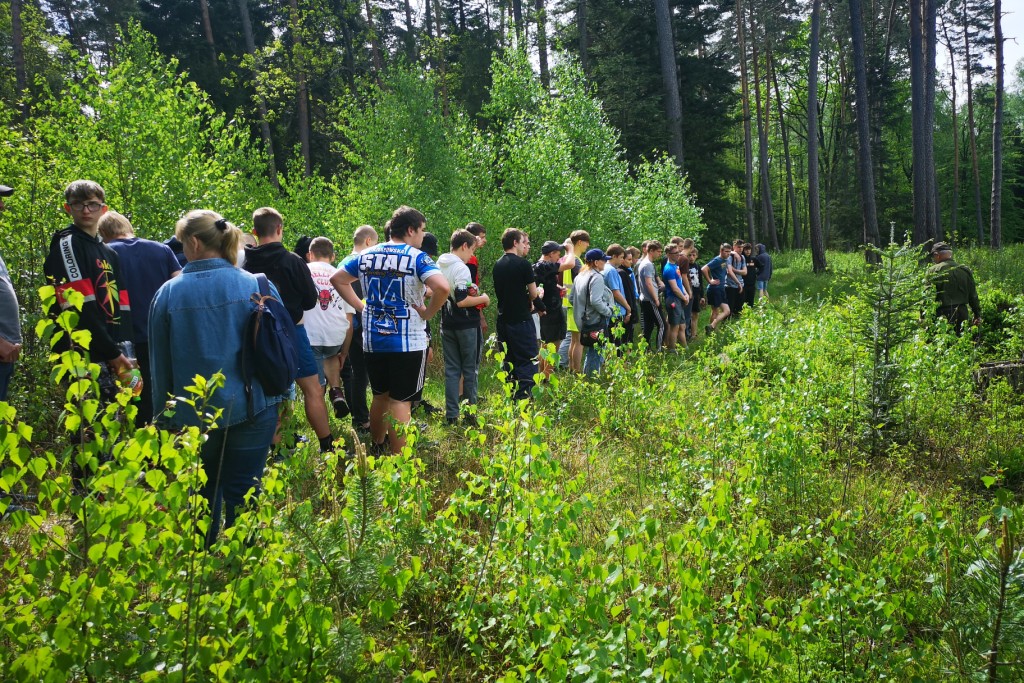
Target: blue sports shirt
(392, 276)
(718, 271)
(671, 272)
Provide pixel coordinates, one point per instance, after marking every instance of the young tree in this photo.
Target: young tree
(784, 133)
(955, 206)
(204, 12)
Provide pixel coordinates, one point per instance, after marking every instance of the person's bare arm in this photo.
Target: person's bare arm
(473, 301)
(342, 282)
(707, 276)
(438, 284)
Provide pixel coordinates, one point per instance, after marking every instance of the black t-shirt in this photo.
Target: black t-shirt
(512, 277)
(547, 274)
(628, 290)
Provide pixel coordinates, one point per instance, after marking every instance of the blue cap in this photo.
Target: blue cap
(595, 255)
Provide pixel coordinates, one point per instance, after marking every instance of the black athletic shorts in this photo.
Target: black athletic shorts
(400, 374)
(716, 296)
(552, 325)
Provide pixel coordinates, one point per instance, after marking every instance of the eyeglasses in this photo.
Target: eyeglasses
(81, 206)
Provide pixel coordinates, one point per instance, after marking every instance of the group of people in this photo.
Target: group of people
(170, 314)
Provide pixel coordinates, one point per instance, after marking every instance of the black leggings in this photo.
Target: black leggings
(654, 319)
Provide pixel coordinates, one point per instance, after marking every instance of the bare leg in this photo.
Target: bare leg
(332, 368)
(576, 353)
(401, 411)
(378, 417)
(723, 313)
(670, 339)
(316, 409)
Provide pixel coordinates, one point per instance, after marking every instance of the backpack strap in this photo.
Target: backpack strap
(263, 293)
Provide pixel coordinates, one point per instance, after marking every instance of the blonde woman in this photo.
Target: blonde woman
(196, 327)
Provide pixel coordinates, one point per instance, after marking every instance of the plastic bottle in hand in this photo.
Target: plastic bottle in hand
(130, 378)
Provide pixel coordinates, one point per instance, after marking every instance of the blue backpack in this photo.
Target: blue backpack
(269, 351)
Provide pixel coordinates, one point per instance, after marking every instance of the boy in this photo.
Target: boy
(629, 289)
(145, 266)
(461, 336)
(623, 313)
(328, 324)
(552, 316)
(79, 260)
(675, 295)
(650, 302)
(394, 278)
(717, 271)
(290, 275)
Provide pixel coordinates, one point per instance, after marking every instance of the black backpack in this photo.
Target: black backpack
(269, 351)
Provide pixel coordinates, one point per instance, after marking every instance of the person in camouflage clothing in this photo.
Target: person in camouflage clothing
(955, 289)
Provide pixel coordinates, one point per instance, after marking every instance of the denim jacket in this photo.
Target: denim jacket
(196, 325)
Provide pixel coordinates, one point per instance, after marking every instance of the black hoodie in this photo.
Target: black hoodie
(288, 272)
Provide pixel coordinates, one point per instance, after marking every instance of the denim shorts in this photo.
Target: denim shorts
(762, 285)
(307, 363)
(320, 354)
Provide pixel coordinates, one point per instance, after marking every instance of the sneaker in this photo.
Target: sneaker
(341, 409)
(428, 408)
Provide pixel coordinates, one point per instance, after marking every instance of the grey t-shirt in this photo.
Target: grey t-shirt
(10, 320)
(645, 273)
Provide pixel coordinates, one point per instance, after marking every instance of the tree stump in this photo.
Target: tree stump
(1012, 370)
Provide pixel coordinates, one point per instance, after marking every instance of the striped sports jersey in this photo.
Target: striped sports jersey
(392, 276)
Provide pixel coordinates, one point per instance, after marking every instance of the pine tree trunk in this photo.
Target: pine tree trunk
(410, 33)
(955, 208)
(971, 133)
(517, 20)
(302, 93)
(378, 62)
(917, 124)
(996, 216)
(542, 42)
(783, 131)
(261, 102)
(748, 153)
(442, 62)
(767, 205)
(20, 74)
(204, 11)
(462, 15)
(670, 79)
(934, 216)
(581, 26)
(813, 189)
(865, 170)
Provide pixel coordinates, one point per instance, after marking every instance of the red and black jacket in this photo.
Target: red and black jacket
(84, 263)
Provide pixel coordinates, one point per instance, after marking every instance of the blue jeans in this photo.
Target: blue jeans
(461, 360)
(563, 350)
(520, 339)
(592, 359)
(6, 372)
(234, 458)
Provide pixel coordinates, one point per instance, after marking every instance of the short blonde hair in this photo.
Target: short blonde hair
(210, 228)
(113, 225)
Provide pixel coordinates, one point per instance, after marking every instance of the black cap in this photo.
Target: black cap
(940, 246)
(551, 246)
(302, 246)
(429, 246)
(6, 191)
